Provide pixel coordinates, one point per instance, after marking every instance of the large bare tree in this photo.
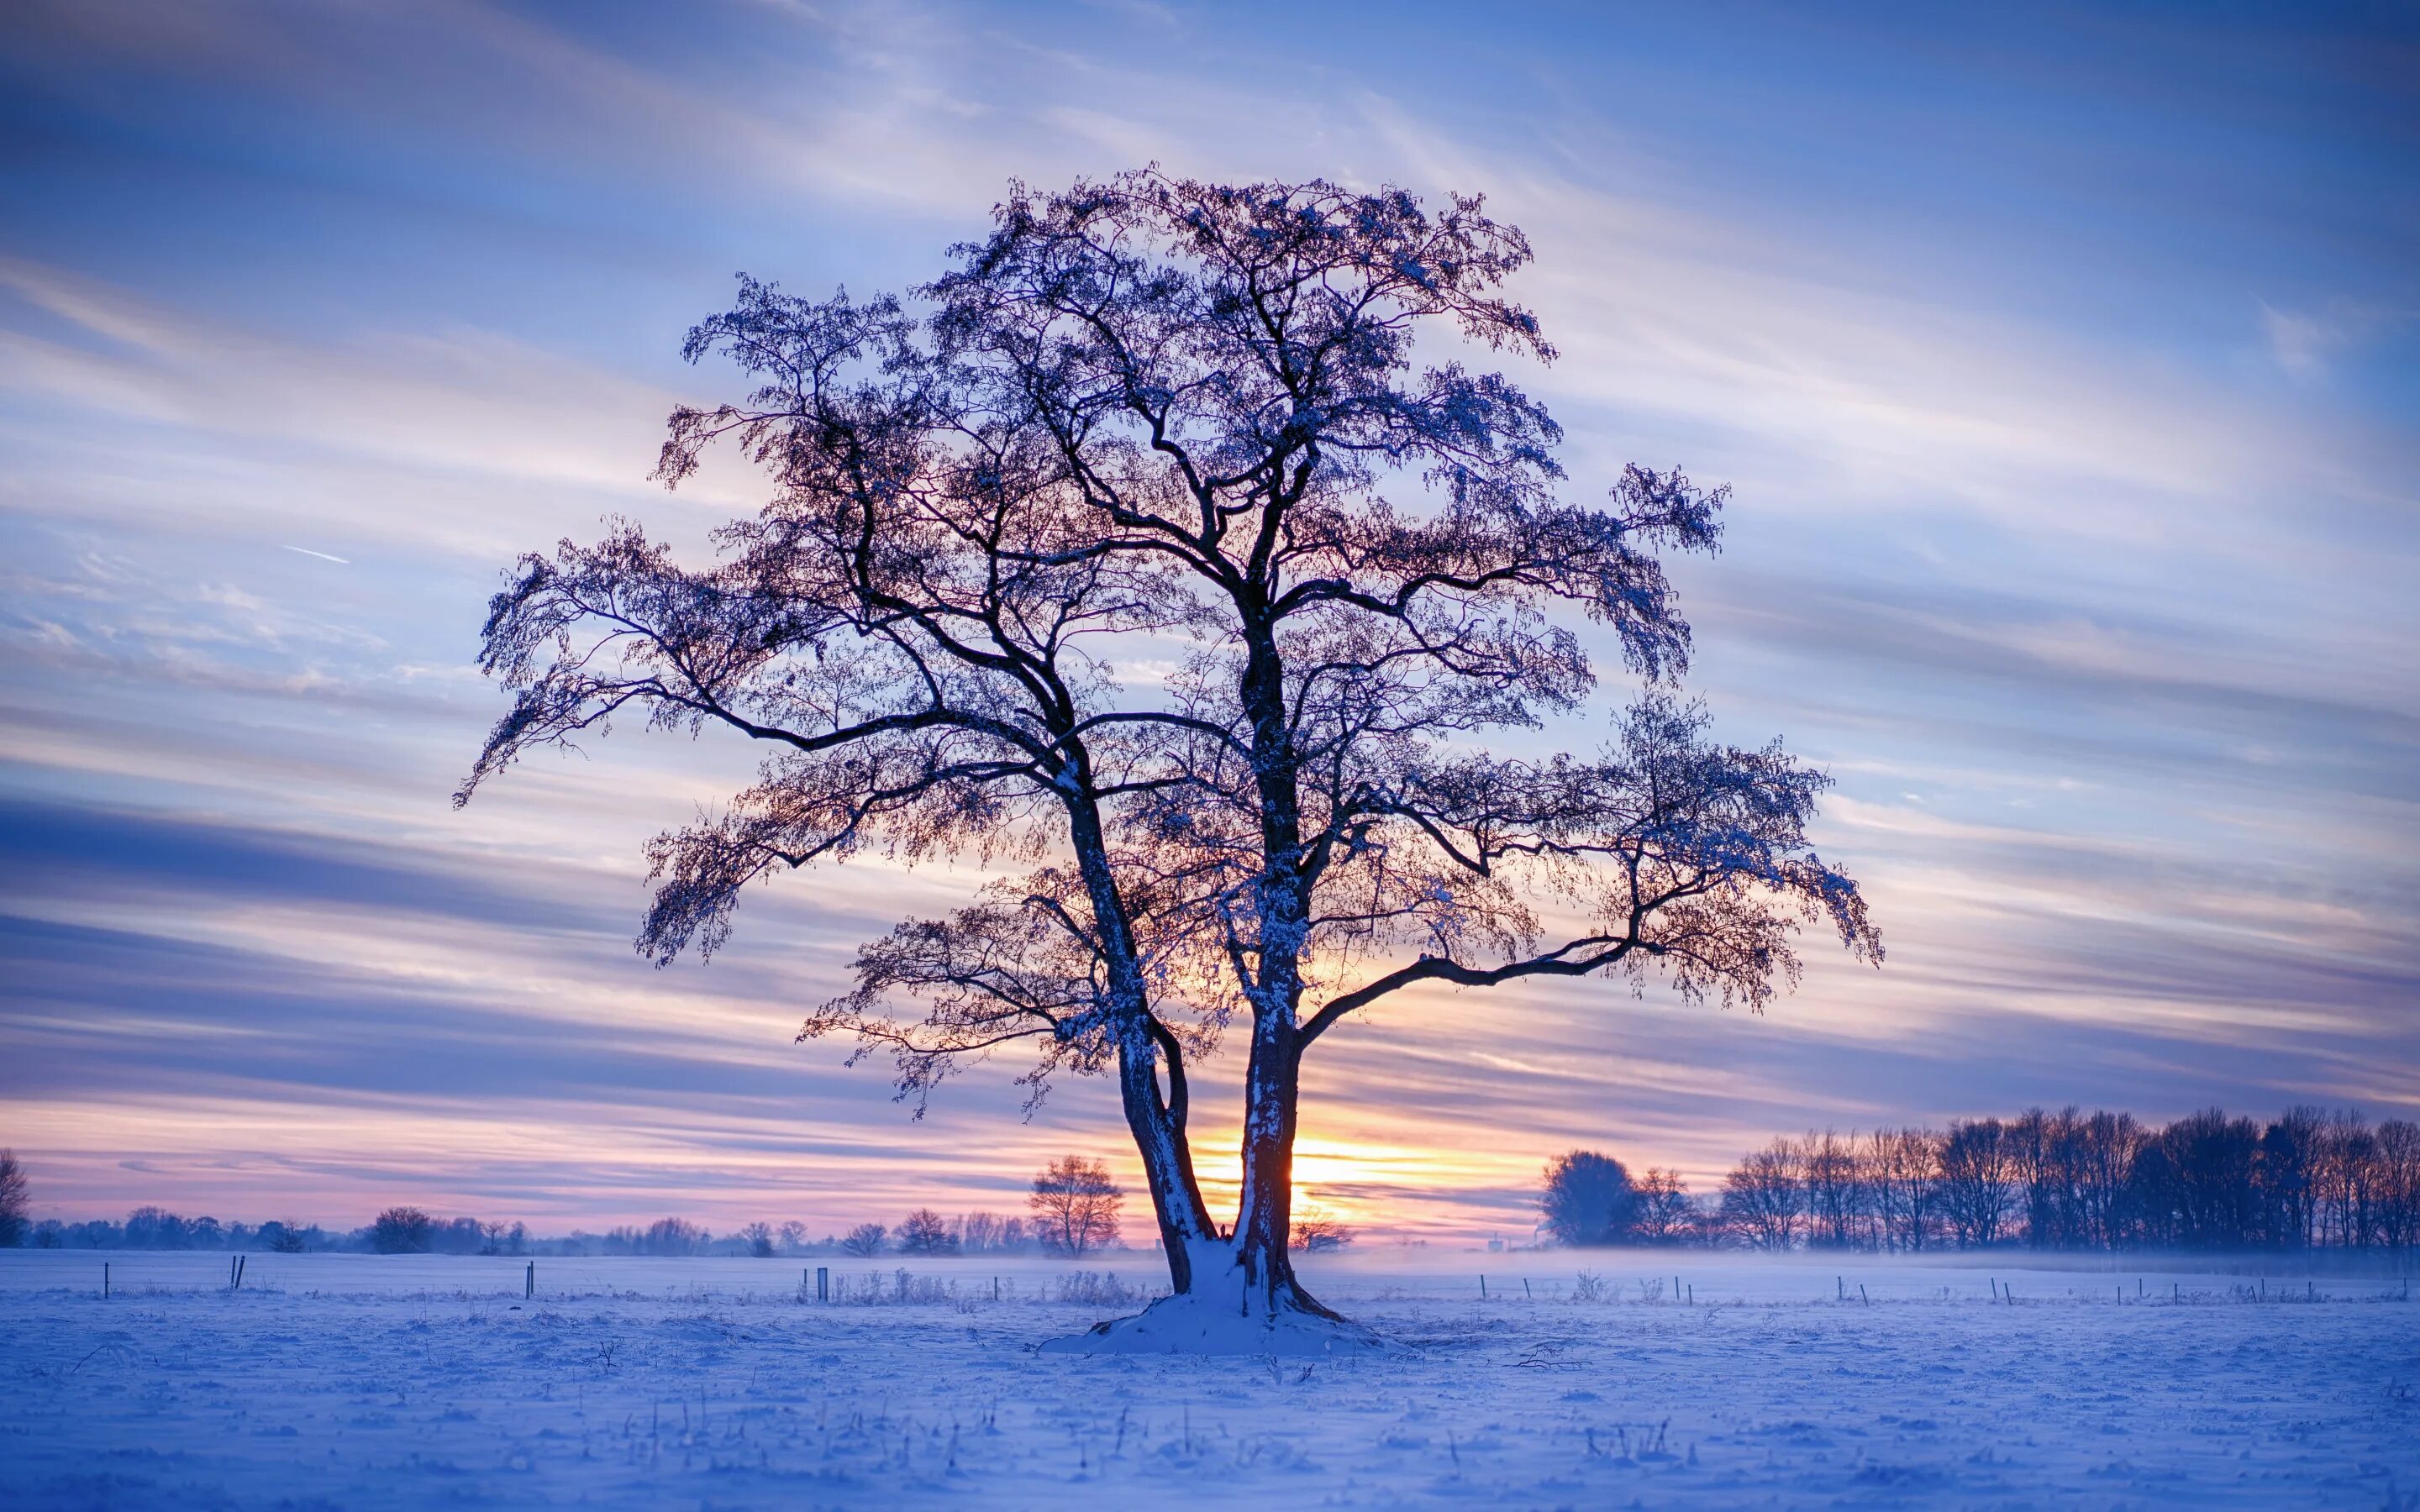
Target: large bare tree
(1153, 425)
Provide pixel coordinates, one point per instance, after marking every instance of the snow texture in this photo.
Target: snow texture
(1195, 1324)
(367, 1381)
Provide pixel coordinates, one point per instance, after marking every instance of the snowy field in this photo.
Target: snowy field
(364, 1382)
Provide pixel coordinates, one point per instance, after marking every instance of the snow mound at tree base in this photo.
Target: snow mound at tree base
(1198, 1325)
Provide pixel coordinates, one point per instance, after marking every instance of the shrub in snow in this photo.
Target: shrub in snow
(1096, 1289)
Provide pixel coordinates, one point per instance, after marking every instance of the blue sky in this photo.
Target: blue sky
(2065, 365)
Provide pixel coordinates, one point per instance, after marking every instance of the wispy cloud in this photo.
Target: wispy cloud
(2104, 629)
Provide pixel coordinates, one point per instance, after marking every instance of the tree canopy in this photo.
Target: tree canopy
(1138, 556)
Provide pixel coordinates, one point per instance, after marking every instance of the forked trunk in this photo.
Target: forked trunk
(1233, 1293)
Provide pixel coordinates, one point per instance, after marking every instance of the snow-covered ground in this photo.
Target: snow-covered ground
(363, 1381)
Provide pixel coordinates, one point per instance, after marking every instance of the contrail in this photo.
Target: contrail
(321, 555)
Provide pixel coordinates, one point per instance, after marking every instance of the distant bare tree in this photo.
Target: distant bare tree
(792, 1237)
(671, 1236)
(1316, 1232)
(1146, 413)
(2293, 1153)
(2106, 1145)
(1907, 1175)
(1979, 1181)
(400, 1232)
(14, 1201)
(1763, 1200)
(864, 1240)
(2398, 1184)
(926, 1232)
(2347, 1151)
(982, 1232)
(1834, 1193)
(1660, 1210)
(758, 1236)
(1075, 1205)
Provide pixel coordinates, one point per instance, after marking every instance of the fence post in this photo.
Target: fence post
(1482, 1286)
(823, 1283)
(529, 1281)
(105, 1280)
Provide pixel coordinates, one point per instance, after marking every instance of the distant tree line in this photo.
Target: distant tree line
(1074, 1210)
(2064, 1181)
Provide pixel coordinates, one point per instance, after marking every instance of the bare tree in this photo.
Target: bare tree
(1979, 1181)
(1075, 1204)
(926, 1232)
(2399, 1183)
(982, 1232)
(1156, 418)
(1318, 1233)
(1660, 1208)
(2347, 1153)
(400, 1232)
(1835, 1193)
(1885, 1192)
(2106, 1146)
(864, 1240)
(14, 1204)
(1763, 1200)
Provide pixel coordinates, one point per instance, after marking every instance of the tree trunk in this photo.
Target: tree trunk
(1159, 1137)
(1156, 1121)
(1265, 1216)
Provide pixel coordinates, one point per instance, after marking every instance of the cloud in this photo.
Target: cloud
(2133, 631)
(465, 401)
(2305, 345)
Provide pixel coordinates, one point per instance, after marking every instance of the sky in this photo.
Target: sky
(2064, 364)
